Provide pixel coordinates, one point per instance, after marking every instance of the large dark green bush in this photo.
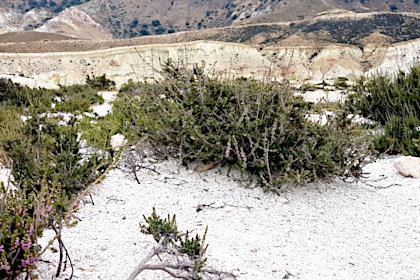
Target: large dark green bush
(393, 102)
(260, 127)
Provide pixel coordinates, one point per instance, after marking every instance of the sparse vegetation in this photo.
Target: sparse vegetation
(180, 255)
(393, 102)
(48, 170)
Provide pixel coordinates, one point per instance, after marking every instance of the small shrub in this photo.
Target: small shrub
(100, 82)
(22, 218)
(48, 170)
(393, 102)
(260, 127)
(78, 99)
(98, 131)
(160, 228)
(14, 95)
(48, 154)
(180, 255)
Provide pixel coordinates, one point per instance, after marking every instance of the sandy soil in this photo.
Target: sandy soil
(364, 230)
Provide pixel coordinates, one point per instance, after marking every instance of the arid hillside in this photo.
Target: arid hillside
(344, 28)
(133, 18)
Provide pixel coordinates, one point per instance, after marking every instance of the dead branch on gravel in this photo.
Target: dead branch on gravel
(63, 253)
(136, 159)
(364, 179)
(177, 254)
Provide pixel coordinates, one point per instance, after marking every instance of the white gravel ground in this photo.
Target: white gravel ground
(328, 231)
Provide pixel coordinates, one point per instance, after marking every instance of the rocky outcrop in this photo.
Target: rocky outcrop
(76, 23)
(296, 63)
(12, 20)
(408, 166)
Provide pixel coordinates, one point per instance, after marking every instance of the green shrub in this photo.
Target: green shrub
(259, 127)
(98, 131)
(35, 101)
(100, 82)
(48, 169)
(48, 173)
(49, 154)
(77, 98)
(14, 95)
(395, 103)
(177, 245)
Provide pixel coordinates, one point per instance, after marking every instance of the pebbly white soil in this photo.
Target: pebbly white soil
(325, 231)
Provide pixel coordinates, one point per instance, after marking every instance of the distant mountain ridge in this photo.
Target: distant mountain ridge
(76, 23)
(133, 18)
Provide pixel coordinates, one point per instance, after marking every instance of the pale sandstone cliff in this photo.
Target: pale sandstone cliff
(298, 63)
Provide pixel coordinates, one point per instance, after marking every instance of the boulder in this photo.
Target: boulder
(118, 141)
(408, 166)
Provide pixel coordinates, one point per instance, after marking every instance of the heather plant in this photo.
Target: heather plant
(23, 218)
(48, 170)
(260, 127)
(393, 102)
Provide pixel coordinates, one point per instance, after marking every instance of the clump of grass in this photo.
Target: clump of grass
(394, 102)
(260, 127)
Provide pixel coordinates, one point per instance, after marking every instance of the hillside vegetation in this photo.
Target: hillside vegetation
(258, 127)
(128, 18)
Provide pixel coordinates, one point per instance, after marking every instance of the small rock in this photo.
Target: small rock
(282, 200)
(408, 166)
(117, 141)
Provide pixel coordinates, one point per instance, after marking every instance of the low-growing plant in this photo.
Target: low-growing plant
(23, 218)
(180, 255)
(100, 82)
(393, 102)
(46, 163)
(17, 96)
(49, 154)
(98, 131)
(48, 170)
(260, 127)
(77, 98)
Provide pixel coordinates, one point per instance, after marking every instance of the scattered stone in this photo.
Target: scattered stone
(118, 141)
(408, 166)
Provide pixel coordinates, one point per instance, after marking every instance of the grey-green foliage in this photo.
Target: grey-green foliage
(48, 169)
(260, 127)
(394, 102)
(165, 232)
